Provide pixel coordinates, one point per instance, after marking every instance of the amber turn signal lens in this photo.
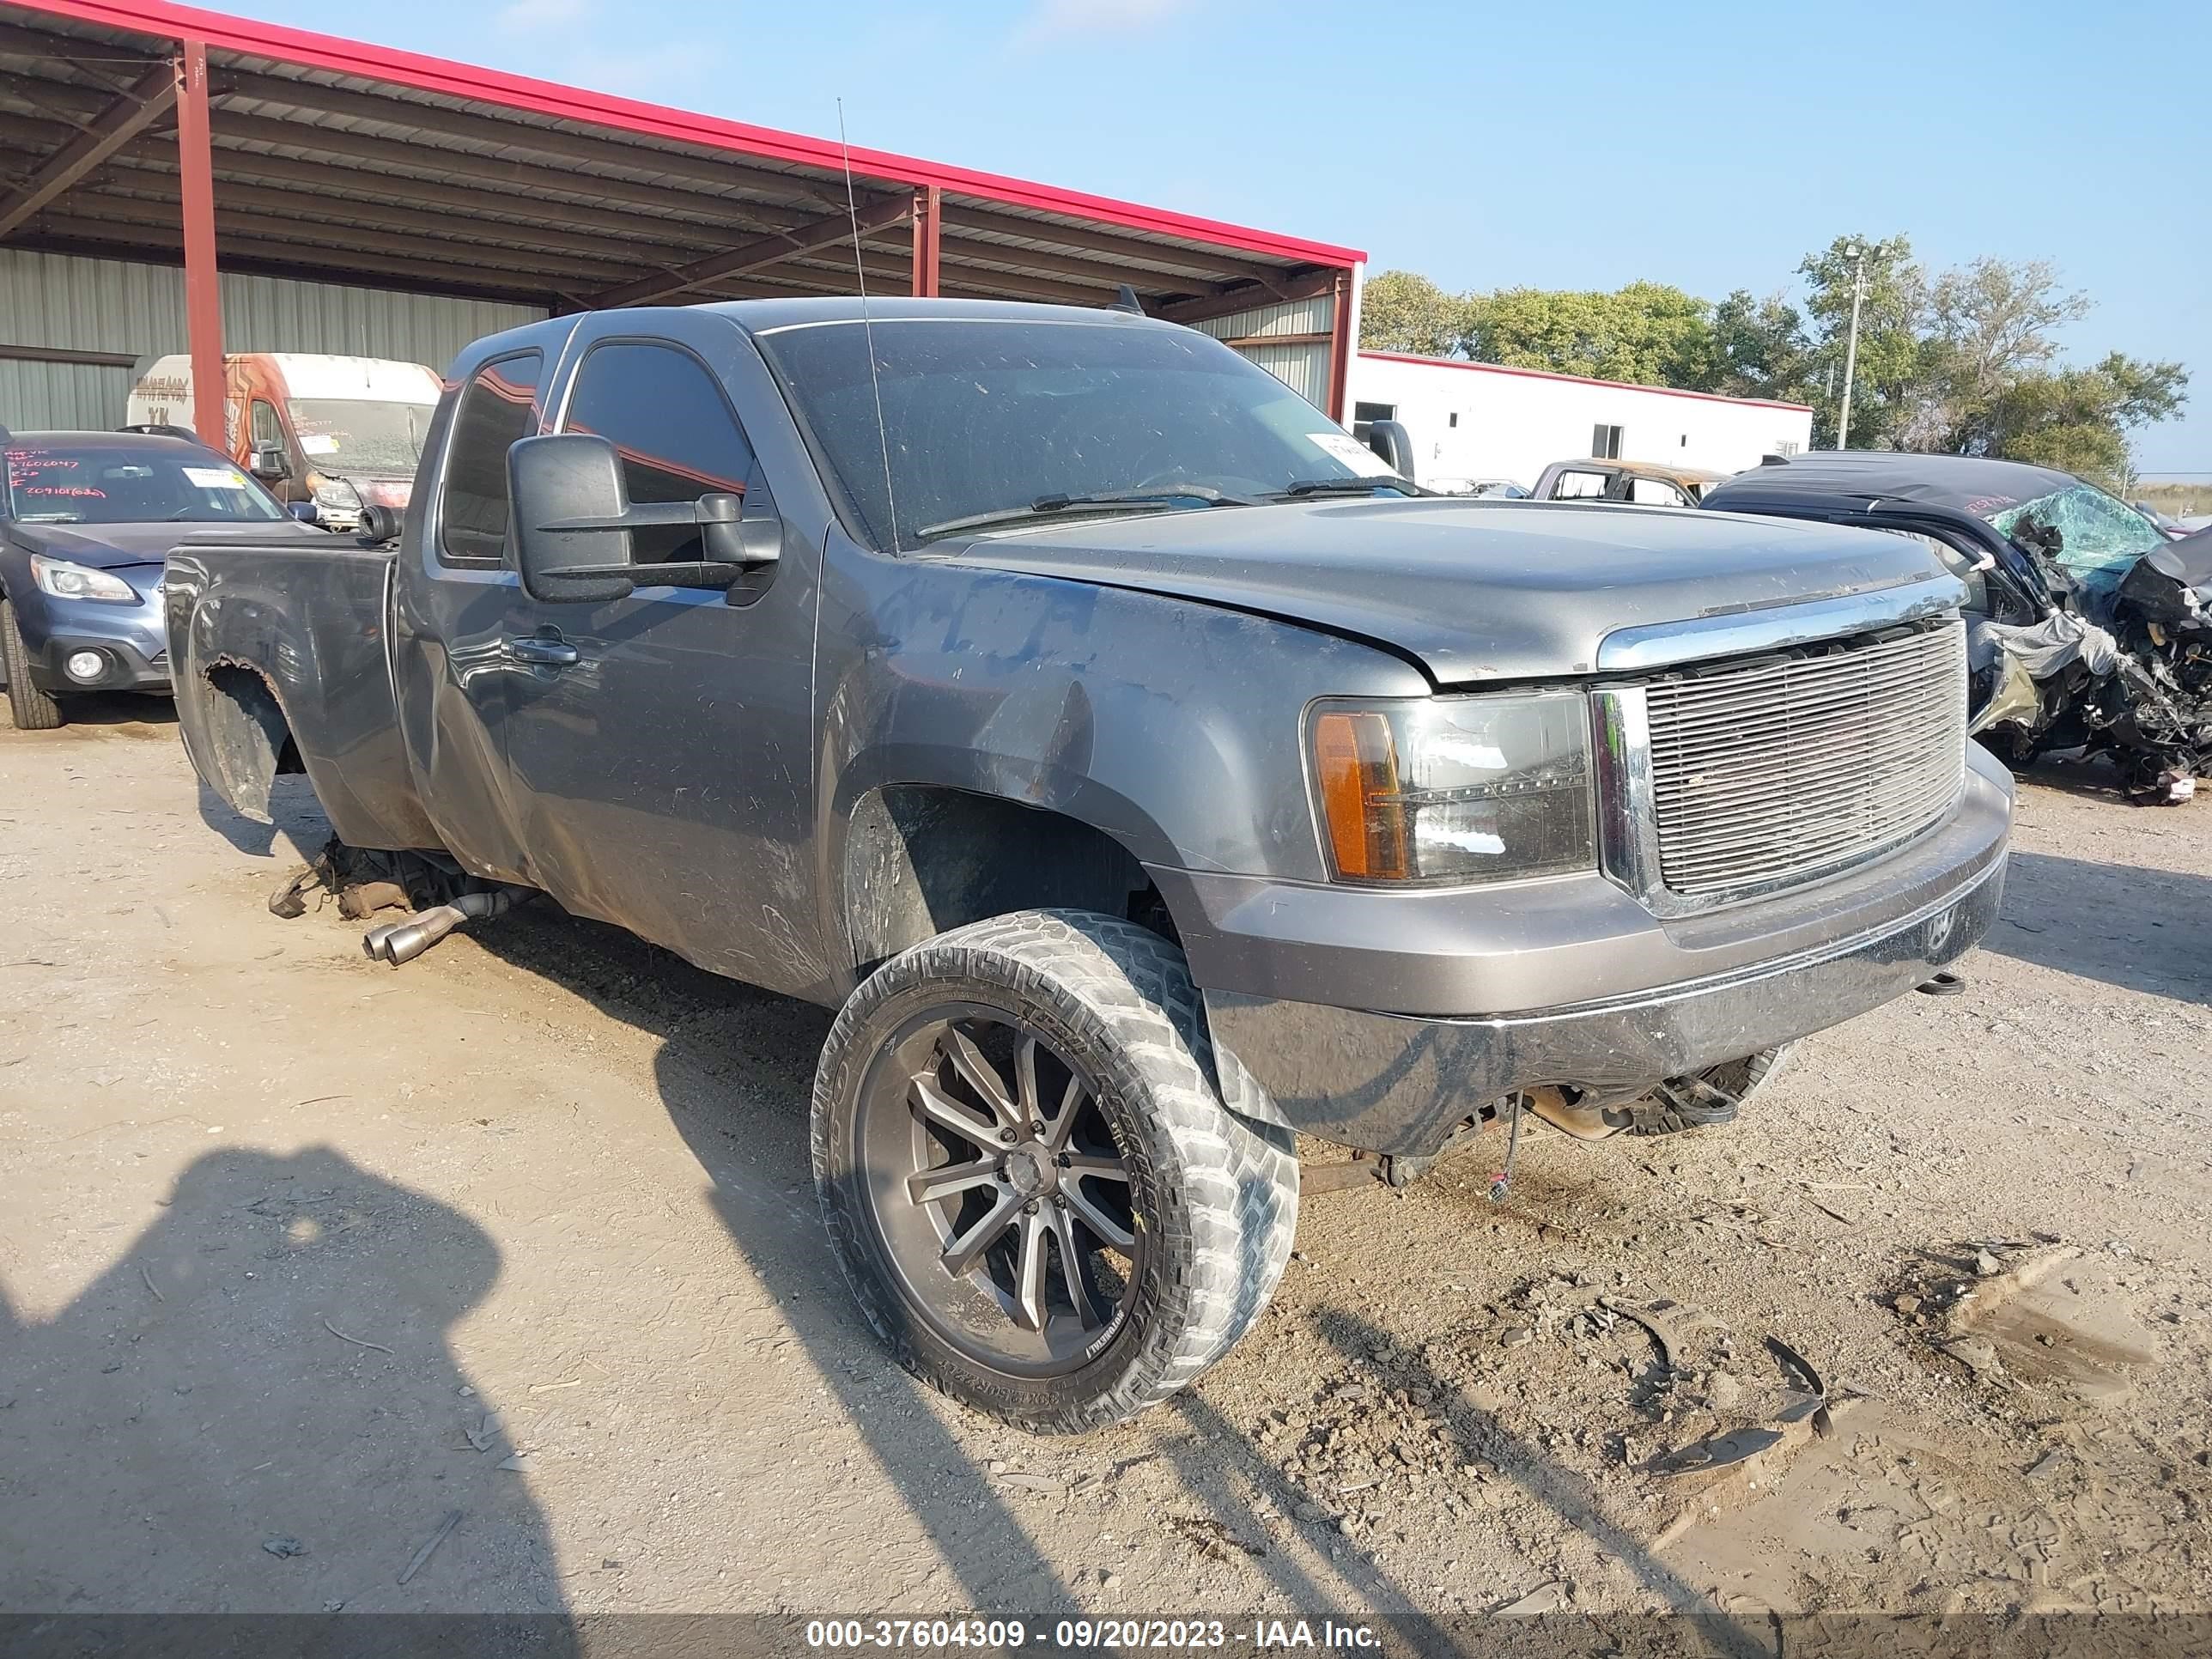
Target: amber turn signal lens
(1358, 769)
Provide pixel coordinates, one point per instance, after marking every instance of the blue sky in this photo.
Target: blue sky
(1710, 145)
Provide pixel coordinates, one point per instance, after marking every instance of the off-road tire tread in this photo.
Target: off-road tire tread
(1224, 1237)
(33, 710)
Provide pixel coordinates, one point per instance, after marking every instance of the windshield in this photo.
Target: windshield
(345, 435)
(991, 416)
(123, 484)
(2101, 536)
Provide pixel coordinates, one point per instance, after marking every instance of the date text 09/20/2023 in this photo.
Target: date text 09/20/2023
(1167, 1635)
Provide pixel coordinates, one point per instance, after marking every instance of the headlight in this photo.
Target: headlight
(1453, 790)
(337, 493)
(64, 581)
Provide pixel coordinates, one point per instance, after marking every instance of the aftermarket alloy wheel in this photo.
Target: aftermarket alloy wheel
(33, 710)
(1036, 1191)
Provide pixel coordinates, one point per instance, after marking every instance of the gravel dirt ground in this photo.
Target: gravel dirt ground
(301, 1254)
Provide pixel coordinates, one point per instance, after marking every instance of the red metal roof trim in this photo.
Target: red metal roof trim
(360, 58)
(1581, 379)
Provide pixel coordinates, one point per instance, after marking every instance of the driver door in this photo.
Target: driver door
(659, 746)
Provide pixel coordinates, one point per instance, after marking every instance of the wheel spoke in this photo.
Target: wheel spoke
(1110, 1231)
(1028, 1275)
(947, 1113)
(962, 1250)
(1070, 1102)
(927, 1186)
(1102, 1169)
(1072, 1269)
(980, 1076)
(1025, 1083)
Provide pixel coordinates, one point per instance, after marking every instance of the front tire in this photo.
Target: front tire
(1034, 1189)
(33, 710)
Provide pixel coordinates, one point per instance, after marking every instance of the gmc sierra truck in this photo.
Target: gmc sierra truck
(1146, 775)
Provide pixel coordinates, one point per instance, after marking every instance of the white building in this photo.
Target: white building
(1471, 420)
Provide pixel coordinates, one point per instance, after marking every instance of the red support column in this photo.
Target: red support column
(1339, 349)
(203, 294)
(927, 205)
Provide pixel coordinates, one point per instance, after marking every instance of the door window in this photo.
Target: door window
(498, 406)
(1579, 487)
(667, 418)
(1655, 492)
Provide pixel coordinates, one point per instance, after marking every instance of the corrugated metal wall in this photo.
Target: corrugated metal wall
(112, 306)
(1303, 368)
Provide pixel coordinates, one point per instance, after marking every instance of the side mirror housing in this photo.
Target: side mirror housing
(569, 504)
(575, 526)
(270, 463)
(1390, 440)
(307, 512)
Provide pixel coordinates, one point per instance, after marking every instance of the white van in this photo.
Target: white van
(341, 432)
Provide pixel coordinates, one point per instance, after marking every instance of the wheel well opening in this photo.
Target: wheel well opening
(249, 740)
(920, 859)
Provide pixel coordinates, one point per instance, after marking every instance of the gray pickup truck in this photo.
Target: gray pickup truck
(1144, 777)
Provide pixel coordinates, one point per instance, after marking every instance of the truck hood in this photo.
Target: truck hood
(110, 546)
(1472, 590)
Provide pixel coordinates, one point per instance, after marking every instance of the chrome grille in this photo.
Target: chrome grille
(1773, 773)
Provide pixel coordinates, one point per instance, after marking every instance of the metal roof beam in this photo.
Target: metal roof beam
(825, 231)
(1229, 302)
(490, 235)
(153, 95)
(500, 178)
(973, 251)
(960, 215)
(232, 221)
(571, 143)
(965, 230)
(495, 175)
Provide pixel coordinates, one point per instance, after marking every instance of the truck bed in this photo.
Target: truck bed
(281, 656)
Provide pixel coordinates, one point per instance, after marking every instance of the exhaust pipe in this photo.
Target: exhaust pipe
(402, 941)
(1583, 1122)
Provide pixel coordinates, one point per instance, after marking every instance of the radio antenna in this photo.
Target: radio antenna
(867, 326)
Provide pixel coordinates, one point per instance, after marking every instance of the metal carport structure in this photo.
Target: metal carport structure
(144, 131)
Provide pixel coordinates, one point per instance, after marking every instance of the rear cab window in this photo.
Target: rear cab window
(499, 406)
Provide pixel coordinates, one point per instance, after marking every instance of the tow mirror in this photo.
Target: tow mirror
(1390, 440)
(270, 464)
(575, 526)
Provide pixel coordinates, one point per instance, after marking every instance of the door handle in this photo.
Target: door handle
(542, 653)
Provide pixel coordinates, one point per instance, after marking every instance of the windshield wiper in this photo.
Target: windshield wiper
(1114, 501)
(1300, 488)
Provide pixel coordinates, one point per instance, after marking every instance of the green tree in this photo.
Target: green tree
(2079, 419)
(1649, 333)
(1759, 349)
(1404, 311)
(1990, 325)
(1892, 361)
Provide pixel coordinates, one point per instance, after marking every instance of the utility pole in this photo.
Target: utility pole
(1856, 253)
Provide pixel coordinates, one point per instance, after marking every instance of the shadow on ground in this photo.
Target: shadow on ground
(191, 1433)
(2143, 929)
